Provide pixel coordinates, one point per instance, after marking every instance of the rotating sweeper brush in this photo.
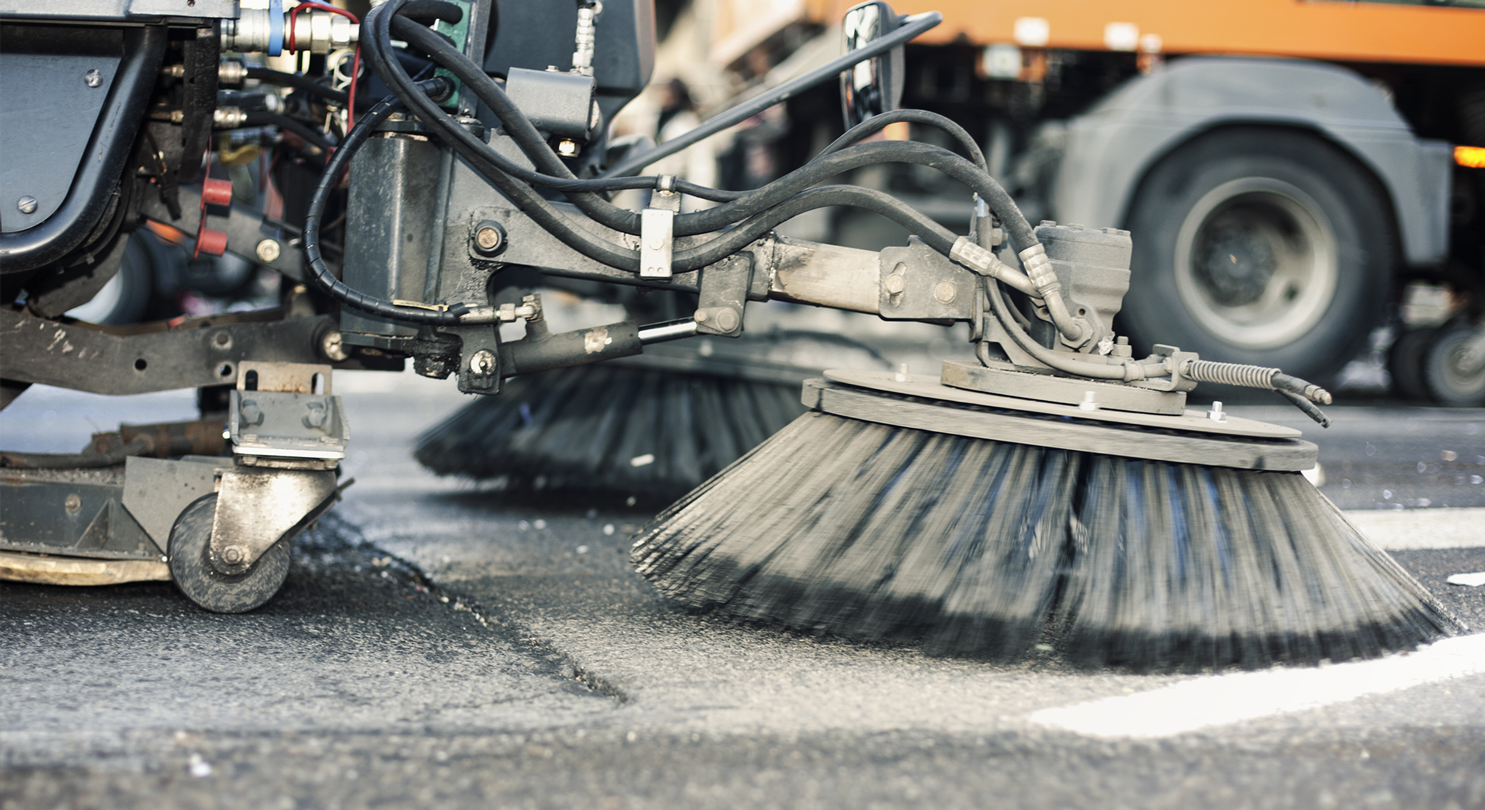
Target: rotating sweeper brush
(1012, 502)
(653, 426)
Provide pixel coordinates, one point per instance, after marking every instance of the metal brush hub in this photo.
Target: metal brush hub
(922, 402)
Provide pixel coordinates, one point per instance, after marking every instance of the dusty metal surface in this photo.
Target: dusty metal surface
(47, 570)
(287, 378)
(900, 410)
(1065, 390)
(156, 491)
(257, 508)
(929, 387)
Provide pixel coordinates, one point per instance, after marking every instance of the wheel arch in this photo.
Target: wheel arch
(1112, 149)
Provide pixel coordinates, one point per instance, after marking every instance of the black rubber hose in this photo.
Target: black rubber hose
(428, 12)
(526, 135)
(260, 118)
(297, 82)
(877, 123)
(933, 234)
(474, 150)
(514, 122)
(319, 272)
(747, 205)
(384, 18)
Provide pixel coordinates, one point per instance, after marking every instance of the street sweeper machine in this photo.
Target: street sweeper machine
(1055, 490)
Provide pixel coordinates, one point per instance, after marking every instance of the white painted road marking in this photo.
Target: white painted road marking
(1225, 699)
(1421, 528)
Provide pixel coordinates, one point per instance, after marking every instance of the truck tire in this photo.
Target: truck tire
(1262, 246)
(1405, 364)
(1453, 370)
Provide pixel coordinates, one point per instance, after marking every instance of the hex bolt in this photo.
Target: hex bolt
(233, 555)
(93, 78)
(27, 205)
(1216, 414)
(268, 251)
(1089, 403)
(727, 319)
(489, 238)
(73, 503)
(902, 373)
(482, 363)
(333, 346)
(701, 316)
(945, 292)
(895, 284)
(567, 148)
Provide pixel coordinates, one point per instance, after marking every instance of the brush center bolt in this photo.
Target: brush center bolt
(1216, 414)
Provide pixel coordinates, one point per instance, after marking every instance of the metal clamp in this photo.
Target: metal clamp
(657, 234)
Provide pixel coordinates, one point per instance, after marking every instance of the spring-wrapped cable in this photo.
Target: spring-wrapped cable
(1230, 373)
(1253, 377)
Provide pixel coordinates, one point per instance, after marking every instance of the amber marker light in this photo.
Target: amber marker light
(1472, 157)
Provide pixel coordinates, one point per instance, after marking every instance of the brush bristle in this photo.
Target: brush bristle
(988, 548)
(610, 428)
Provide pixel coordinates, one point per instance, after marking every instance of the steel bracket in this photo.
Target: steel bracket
(479, 370)
(724, 295)
(258, 508)
(918, 283)
(276, 417)
(657, 234)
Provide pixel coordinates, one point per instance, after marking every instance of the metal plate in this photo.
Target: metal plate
(157, 490)
(51, 570)
(1066, 390)
(917, 385)
(47, 112)
(1064, 432)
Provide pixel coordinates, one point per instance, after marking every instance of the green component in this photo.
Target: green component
(459, 33)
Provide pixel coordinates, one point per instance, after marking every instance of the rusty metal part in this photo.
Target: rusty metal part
(45, 569)
(258, 508)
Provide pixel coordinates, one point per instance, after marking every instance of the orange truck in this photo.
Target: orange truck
(1294, 173)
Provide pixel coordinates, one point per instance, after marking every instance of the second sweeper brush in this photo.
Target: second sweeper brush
(656, 425)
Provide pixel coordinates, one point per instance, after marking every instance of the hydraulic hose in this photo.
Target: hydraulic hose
(877, 123)
(259, 118)
(296, 82)
(933, 234)
(474, 150)
(828, 164)
(381, 22)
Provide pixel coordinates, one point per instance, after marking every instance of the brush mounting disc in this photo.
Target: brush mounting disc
(924, 403)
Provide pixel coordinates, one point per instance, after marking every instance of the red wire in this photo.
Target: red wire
(350, 113)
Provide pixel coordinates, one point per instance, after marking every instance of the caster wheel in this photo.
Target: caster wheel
(1453, 372)
(1405, 364)
(209, 588)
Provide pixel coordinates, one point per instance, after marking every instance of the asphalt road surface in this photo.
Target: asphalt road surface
(438, 646)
